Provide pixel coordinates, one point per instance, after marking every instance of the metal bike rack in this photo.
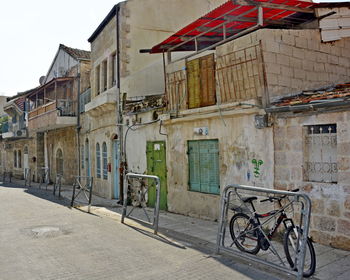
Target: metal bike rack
(58, 185)
(27, 177)
(154, 224)
(7, 174)
(84, 187)
(44, 177)
(305, 212)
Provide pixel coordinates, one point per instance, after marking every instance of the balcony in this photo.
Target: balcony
(102, 103)
(53, 115)
(14, 130)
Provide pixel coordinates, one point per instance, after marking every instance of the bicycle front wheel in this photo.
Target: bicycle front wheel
(244, 233)
(290, 249)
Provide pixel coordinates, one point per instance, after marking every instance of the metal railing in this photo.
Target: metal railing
(7, 174)
(234, 197)
(58, 185)
(27, 177)
(143, 194)
(66, 107)
(44, 177)
(85, 186)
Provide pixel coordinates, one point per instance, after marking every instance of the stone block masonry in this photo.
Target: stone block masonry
(330, 217)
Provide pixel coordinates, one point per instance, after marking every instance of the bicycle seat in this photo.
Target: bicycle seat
(249, 199)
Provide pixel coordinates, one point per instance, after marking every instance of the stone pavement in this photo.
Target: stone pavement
(42, 238)
(331, 263)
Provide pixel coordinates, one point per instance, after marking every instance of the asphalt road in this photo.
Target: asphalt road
(41, 238)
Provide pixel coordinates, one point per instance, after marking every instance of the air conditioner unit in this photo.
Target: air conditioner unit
(19, 133)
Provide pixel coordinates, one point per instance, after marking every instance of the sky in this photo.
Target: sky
(31, 31)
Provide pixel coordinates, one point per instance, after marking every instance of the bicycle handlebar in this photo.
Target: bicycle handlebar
(271, 198)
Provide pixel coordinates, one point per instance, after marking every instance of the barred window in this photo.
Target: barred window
(98, 161)
(104, 158)
(320, 153)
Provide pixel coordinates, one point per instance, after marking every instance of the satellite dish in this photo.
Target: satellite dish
(41, 80)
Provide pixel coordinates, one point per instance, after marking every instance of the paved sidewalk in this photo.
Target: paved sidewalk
(331, 263)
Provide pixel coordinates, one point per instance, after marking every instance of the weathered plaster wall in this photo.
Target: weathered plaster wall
(136, 142)
(143, 73)
(239, 143)
(330, 202)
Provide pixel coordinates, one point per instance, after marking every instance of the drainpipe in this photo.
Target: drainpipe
(78, 119)
(119, 110)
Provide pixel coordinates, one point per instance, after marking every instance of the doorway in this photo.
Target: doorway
(156, 165)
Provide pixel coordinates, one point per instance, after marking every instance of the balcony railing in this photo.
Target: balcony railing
(65, 107)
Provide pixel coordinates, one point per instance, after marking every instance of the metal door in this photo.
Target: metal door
(116, 173)
(156, 165)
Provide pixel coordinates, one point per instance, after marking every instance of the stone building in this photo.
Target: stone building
(120, 74)
(218, 119)
(15, 140)
(44, 135)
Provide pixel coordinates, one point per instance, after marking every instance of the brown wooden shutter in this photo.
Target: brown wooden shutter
(207, 65)
(193, 83)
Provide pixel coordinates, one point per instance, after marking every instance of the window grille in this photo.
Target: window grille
(320, 154)
(104, 157)
(98, 161)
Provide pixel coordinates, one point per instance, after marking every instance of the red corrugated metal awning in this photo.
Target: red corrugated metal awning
(232, 18)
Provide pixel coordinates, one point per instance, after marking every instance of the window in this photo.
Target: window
(82, 156)
(113, 68)
(201, 82)
(320, 153)
(97, 80)
(98, 161)
(59, 162)
(104, 75)
(104, 157)
(15, 159)
(19, 159)
(203, 162)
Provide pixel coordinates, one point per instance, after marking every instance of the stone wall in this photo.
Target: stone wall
(239, 143)
(330, 202)
(64, 139)
(7, 149)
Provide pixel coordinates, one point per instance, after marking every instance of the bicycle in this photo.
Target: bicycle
(250, 236)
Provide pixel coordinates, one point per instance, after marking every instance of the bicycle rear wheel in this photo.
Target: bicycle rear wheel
(244, 234)
(290, 245)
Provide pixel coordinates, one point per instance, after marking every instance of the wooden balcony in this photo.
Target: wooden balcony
(53, 115)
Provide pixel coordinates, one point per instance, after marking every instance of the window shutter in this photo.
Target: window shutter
(194, 166)
(193, 81)
(207, 80)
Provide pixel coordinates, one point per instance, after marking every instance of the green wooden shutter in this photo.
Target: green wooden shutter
(194, 166)
(193, 83)
(204, 175)
(214, 172)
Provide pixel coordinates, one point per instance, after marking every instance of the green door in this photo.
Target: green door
(156, 165)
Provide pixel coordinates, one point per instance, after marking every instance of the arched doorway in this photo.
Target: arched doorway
(59, 162)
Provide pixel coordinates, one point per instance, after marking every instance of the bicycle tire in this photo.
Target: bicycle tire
(309, 247)
(240, 238)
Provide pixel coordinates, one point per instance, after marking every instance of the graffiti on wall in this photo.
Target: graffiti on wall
(257, 164)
